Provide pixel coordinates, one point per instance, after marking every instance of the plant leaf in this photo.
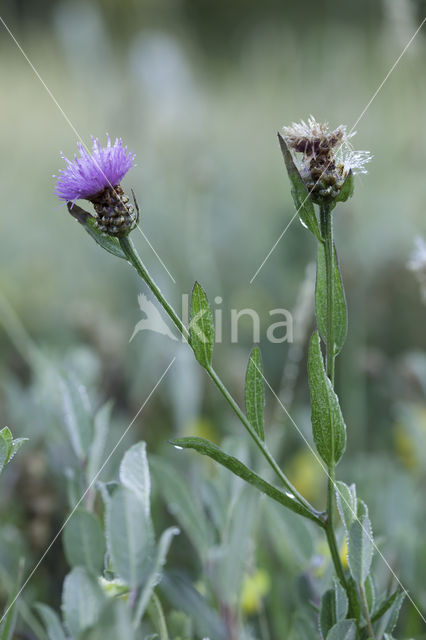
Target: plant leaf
(155, 574)
(255, 392)
(84, 542)
(201, 328)
(360, 545)
(5, 446)
(334, 607)
(390, 617)
(343, 630)
(340, 320)
(82, 601)
(328, 426)
(130, 538)
(239, 469)
(347, 188)
(97, 447)
(183, 505)
(301, 197)
(78, 415)
(51, 622)
(370, 593)
(110, 244)
(346, 503)
(134, 473)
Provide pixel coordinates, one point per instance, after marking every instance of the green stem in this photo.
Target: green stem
(327, 234)
(366, 613)
(134, 259)
(326, 222)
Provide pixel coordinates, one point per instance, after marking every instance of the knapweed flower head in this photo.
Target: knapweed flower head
(96, 177)
(327, 157)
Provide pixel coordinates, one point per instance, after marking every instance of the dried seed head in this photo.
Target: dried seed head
(327, 157)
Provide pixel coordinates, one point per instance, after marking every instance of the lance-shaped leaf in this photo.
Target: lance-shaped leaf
(134, 473)
(8, 446)
(360, 545)
(340, 320)
(201, 328)
(84, 542)
(328, 426)
(239, 469)
(110, 244)
(334, 607)
(343, 630)
(347, 189)
(155, 573)
(301, 197)
(130, 536)
(82, 601)
(346, 503)
(390, 617)
(255, 392)
(51, 622)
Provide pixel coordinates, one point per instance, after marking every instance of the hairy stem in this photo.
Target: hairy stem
(136, 262)
(326, 221)
(366, 613)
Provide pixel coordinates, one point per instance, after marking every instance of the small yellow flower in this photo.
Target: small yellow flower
(255, 587)
(344, 554)
(306, 474)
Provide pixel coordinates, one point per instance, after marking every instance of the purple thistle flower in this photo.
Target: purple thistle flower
(90, 174)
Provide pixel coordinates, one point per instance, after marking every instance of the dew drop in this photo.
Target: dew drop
(302, 223)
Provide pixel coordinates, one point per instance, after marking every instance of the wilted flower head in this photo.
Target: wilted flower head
(96, 177)
(327, 157)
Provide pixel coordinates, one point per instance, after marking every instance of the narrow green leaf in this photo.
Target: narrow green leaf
(237, 543)
(110, 244)
(185, 597)
(343, 630)
(201, 328)
(134, 473)
(346, 503)
(84, 543)
(114, 623)
(9, 617)
(301, 197)
(16, 445)
(385, 606)
(183, 504)
(101, 424)
(340, 320)
(78, 415)
(82, 601)
(347, 189)
(239, 469)
(334, 607)
(390, 618)
(370, 593)
(327, 617)
(328, 426)
(360, 546)
(5, 446)
(255, 392)
(130, 537)
(155, 573)
(51, 622)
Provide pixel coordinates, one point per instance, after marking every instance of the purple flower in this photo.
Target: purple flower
(90, 174)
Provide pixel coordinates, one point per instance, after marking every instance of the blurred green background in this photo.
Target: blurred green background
(198, 89)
